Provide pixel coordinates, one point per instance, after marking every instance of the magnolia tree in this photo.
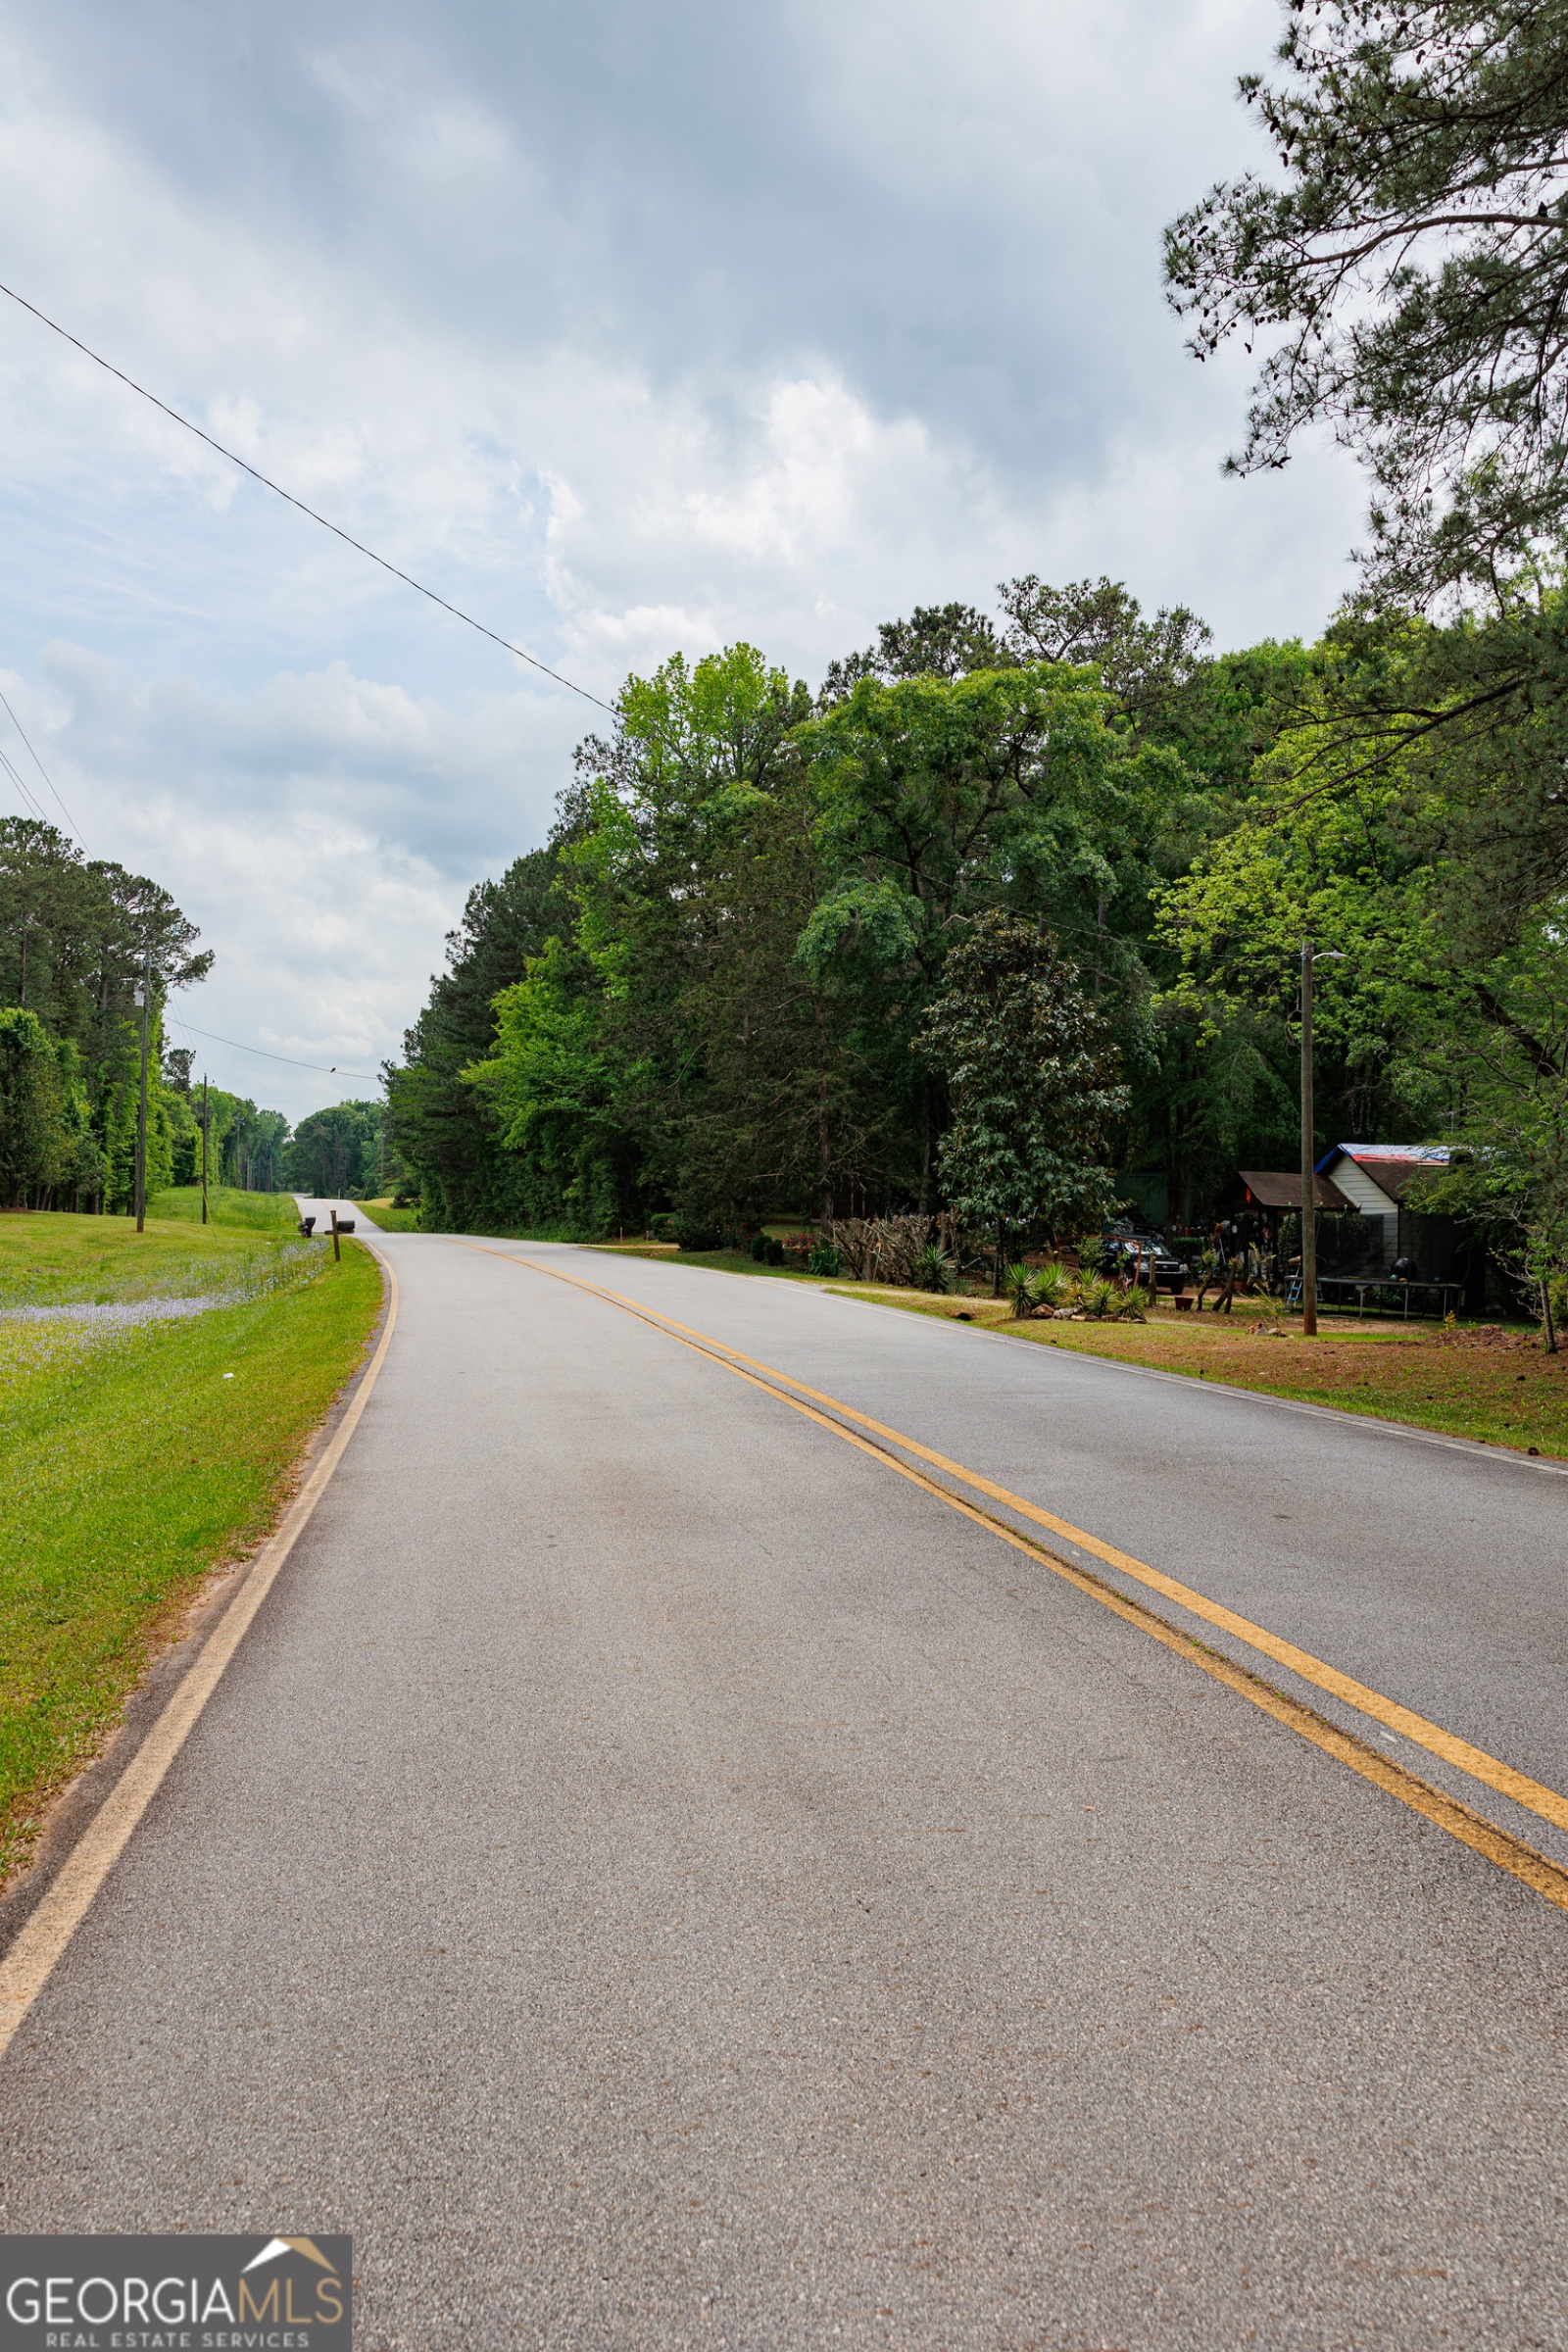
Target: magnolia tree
(1033, 1079)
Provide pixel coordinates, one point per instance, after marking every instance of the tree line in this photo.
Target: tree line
(774, 953)
(732, 983)
(79, 939)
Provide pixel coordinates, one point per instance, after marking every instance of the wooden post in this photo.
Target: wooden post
(1308, 1172)
(204, 1146)
(337, 1247)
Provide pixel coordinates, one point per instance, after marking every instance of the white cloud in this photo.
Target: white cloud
(623, 332)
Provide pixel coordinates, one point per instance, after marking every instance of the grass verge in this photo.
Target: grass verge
(389, 1218)
(134, 1460)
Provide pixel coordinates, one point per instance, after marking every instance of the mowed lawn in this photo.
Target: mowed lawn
(389, 1216)
(227, 1208)
(134, 1459)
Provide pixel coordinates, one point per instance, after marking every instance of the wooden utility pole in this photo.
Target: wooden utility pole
(1308, 1171)
(141, 1113)
(204, 1146)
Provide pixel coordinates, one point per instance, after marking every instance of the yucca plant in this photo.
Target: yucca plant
(1021, 1291)
(933, 1270)
(1098, 1297)
(1053, 1285)
(1134, 1307)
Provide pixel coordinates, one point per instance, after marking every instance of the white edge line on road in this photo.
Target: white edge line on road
(27, 1967)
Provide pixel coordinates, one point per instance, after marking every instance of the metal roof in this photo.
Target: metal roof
(1392, 1167)
(1280, 1187)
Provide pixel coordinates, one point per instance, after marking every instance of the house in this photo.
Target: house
(1375, 1179)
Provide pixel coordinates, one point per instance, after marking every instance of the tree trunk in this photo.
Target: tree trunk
(1545, 1316)
(1002, 1235)
(824, 1135)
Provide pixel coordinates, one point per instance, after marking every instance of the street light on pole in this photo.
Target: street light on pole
(1308, 1152)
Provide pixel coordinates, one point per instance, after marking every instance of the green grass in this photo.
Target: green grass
(130, 1466)
(254, 1213)
(390, 1219)
(46, 1259)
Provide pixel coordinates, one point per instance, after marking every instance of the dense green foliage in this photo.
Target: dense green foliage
(1030, 1070)
(733, 982)
(466, 1177)
(337, 1152)
(77, 938)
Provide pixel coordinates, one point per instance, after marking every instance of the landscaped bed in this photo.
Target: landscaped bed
(156, 1393)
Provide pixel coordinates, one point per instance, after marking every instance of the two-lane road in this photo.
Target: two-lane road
(658, 1877)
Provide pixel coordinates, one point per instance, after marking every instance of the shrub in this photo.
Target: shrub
(1053, 1285)
(1098, 1297)
(693, 1233)
(934, 1269)
(774, 1250)
(824, 1261)
(1092, 1253)
(759, 1248)
(1021, 1290)
(661, 1226)
(889, 1248)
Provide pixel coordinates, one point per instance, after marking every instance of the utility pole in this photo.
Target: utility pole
(1308, 1157)
(204, 1146)
(1308, 1153)
(146, 993)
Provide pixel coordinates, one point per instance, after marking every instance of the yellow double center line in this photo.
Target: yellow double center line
(1435, 1804)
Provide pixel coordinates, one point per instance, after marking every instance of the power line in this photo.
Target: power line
(29, 798)
(278, 491)
(43, 771)
(335, 1070)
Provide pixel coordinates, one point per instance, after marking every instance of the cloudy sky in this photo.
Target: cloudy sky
(628, 327)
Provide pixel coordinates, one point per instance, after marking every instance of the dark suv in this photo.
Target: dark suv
(1124, 1251)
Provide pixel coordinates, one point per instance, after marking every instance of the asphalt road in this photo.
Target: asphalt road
(658, 1878)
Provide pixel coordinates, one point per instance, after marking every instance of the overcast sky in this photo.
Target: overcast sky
(628, 328)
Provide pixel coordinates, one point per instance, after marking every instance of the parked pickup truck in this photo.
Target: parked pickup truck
(1126, 1251)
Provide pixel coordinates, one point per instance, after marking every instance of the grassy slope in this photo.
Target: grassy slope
(131, 1465)
(46, 1259)
(390, 1219)
(254, 1213)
